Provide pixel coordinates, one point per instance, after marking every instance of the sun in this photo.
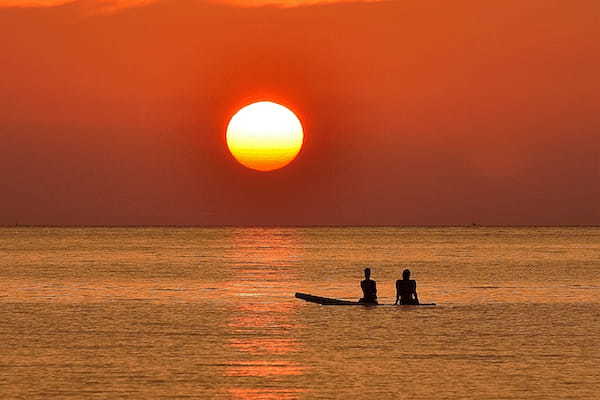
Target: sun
(264, 136)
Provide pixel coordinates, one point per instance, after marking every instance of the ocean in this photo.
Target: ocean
(210, 313)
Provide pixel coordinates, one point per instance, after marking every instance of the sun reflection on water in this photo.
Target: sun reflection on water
(261, 326)
(265, 394)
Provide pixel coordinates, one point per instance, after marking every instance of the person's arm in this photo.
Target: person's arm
(397, 293)
(415, 293)
(375, 288)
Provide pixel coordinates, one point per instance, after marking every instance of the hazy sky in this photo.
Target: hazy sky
(415, 111)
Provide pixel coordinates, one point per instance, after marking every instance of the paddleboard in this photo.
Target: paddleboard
(326, 301)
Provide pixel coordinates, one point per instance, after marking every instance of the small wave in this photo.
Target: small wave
(485, 287)
(585, 287)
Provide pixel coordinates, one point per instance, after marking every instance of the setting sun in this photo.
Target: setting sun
(264, 136)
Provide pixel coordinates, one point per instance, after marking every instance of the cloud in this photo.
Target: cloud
(107, 5)
(289, 3)
(33, 3)
(115, 5)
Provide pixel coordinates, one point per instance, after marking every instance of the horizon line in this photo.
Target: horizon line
(213, 226)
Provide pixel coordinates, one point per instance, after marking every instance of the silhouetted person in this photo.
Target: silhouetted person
(369, 288)
(406, 289)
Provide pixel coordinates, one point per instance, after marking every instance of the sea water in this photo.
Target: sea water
(165, 313)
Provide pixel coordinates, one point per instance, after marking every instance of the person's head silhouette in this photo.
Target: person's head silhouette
(406, 274)
(367, 273)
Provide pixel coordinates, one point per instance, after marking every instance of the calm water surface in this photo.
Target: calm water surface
(163, 313)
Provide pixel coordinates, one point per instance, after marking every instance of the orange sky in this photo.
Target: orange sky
(415, 112)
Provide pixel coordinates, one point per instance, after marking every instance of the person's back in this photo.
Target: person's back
(369, 288)
(406, 289)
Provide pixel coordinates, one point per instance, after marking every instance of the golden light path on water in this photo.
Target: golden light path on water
(262, 266)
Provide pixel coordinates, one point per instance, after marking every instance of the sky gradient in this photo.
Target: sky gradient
(414, 112)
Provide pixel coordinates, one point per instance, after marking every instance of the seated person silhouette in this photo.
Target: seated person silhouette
(369, 288)
(406, 289)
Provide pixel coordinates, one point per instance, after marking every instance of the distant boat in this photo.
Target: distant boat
(326, 301)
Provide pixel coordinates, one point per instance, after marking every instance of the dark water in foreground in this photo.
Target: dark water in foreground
(209, 313)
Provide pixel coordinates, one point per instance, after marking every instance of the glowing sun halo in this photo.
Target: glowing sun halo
(264, 136)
